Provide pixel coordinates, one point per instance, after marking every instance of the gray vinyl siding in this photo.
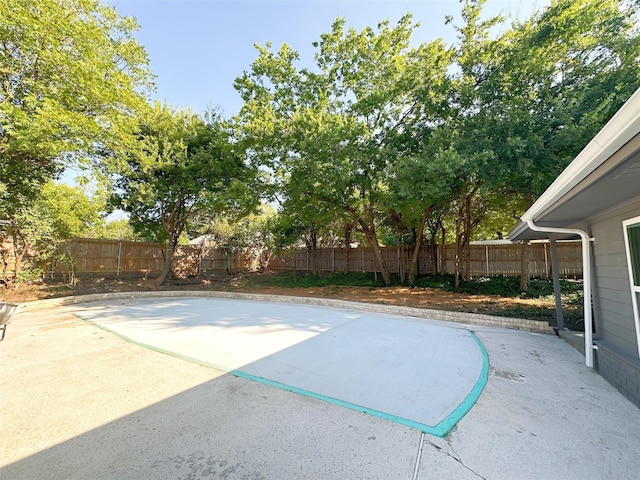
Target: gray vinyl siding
(613, 312)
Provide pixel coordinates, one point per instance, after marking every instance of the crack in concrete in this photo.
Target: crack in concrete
(455, 456)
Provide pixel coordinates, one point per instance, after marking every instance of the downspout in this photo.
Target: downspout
(586, 279)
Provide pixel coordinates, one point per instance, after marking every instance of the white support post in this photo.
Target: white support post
(586, 283)
(555, 267)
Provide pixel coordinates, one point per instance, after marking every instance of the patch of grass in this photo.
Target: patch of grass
(499, 286)
(538, 288)
(305, 280)
(445, 282)
(509, 287)
(502, 286)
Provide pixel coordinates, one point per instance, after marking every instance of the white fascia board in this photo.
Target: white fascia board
(622, 127)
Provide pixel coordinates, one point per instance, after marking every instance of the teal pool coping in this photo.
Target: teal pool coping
(441, 429)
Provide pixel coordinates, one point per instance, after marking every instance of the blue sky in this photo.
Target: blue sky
(198, 48)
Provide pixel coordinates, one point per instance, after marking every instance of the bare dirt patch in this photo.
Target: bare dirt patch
(415, 297)
(541, 309)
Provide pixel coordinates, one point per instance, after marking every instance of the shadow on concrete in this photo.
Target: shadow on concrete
(234, 428)
(421, 375)
(229, 428)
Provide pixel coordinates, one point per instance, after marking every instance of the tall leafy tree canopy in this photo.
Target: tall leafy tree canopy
(71, 79)
(180, 166)
(527, 100)
(328, 134)
(545, 87)
(386, 133)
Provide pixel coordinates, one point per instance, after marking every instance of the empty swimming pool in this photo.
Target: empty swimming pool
(420, 374)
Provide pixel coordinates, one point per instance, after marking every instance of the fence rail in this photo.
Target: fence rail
(124, 258)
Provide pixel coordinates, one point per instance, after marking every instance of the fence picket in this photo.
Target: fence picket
(114, 258)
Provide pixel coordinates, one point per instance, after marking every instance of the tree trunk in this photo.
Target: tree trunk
(370, 233)
(348, 230)
(168, 261)
(397, 224)
(295, 270)
(18, 255)
(467, 238)
(433, 245)
(314, 260)
(433, 253)
(443, 249)
(413, 268)
(312, 245)
(5, 267)
(456, 271)
(369, 229)
(458, 257)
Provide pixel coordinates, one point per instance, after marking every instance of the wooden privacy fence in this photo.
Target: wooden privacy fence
(505, 259)
(359, 259)
(125, 258)
(87, 257)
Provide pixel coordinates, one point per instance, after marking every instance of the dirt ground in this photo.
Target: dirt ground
(396, 295)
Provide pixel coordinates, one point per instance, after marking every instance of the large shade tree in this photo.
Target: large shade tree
(527, 100)
(327, 133)
(71, 78)
(181, 166)
(542, 89)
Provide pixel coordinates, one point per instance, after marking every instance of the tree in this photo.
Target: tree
(40, 228)
(71, 75)
(252, 235)
(71, 78)
(239, 231)
(421, 186)
(550, 83)
(529, 99)
(328, 133)
(119, 229)
(181, 166)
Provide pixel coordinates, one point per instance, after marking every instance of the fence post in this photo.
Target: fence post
(119, 257)
(546, 262)
(486, 253)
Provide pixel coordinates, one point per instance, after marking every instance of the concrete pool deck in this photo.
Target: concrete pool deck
(78, 402)
(421, 375)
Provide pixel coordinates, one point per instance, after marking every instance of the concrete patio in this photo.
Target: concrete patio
(80, 402)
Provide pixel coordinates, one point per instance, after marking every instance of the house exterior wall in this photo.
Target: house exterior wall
(617, 357)
(613, 312)
(620, 371)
